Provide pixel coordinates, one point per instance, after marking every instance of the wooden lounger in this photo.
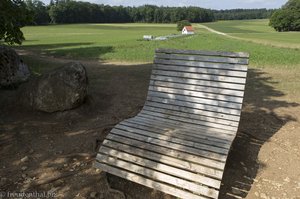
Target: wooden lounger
(180, 141)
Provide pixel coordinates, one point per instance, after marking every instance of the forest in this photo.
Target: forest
(69, 11)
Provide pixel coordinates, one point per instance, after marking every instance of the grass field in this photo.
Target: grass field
(257, 30)
(123, 42)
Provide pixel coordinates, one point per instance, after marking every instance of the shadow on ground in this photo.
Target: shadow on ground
(258, 124)
(70, 50)
(61, 146)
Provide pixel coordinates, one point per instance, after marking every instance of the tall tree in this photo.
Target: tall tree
(39, 11)
(287, 18)
(13, 16)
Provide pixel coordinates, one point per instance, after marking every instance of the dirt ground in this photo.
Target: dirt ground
(54, 152)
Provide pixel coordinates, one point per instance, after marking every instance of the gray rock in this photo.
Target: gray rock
(62, 89)
(12, 69)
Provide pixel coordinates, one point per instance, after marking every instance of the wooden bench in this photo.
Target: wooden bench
(180, 140)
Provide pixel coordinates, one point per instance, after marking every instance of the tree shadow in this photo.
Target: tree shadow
(61, 146)
(51, 46)
(117, 93)
(95, 52)
(69, 50)
(259, 122)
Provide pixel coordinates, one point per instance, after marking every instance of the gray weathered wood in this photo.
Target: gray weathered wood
(203, 58)
(161, 167)
(194, 110)
(200, 106)
(197, 94)
(201, 64)
(167, 151)
(198, 82)
(203, 124)
(152, 174)
(151, 132)
(199, 70)
(148, 182)
(169, 160)
(202, 52)
(197, 100)
(180, 140)
(202, 119)
(209, 77)
(184, 128)
(199, 88)
(179, 136)
(195, 125)
(171, 145)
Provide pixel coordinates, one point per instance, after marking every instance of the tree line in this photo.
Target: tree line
(240, 14)
(14, 14)
(69, 11)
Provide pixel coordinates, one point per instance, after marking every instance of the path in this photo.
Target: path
(212, 30)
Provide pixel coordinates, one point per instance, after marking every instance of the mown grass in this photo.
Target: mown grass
(123, 42)
(259, 31)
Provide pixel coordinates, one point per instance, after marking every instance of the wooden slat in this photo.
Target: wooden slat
(214, 78)
(191, 87)
(212, 59)
(208, 129)
(186, 130)
(196, 94)
(198, 70)
(199, 82)
(197, 100)
(158, 176)
(196, 111)
(202, 52)
(201, 64)
(216, 109)
(167, 151)
(203, 124)
(209, 77)
(157, 135)
(175, 162)
(182, 148)
(148, 182)
(177, 137)
(202, 119)
(161, 167)
(190, 130)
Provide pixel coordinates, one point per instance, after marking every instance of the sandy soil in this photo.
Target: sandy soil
(54, 152)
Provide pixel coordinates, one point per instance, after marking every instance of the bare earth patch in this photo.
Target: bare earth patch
(54, 152)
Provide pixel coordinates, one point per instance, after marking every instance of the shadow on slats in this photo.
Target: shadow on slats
(191, 118)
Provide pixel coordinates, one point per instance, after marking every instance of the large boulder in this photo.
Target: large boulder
(12, 69)
(62, 89)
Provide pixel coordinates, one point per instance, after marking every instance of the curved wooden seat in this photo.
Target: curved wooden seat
(180, 140)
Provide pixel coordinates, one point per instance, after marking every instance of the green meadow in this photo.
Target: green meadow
(123, 42)
(257, 31)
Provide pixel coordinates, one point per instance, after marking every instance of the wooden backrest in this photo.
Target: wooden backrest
(202, 88)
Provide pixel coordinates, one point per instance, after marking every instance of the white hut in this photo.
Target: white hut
(188, 30)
